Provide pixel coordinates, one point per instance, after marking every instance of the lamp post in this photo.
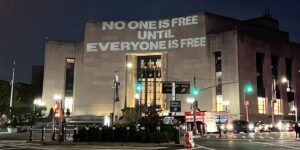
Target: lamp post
(226, 103)
(191, 101)
(294, 108)
(56, 97)
(247, 89)
(195, 92)
(116, 89)
(273, 100)
(288, 89)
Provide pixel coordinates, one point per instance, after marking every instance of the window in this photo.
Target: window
(277, 107)
(149, 72)
(69, 84)
(259, 74)
(218, 62)
(220, 106)
(261, 103)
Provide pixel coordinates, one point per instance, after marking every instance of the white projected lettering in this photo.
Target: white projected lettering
(150, 35)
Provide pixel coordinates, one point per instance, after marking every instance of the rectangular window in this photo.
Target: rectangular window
(277, 107)
(220, 106)
(259, 74)
(218, 75)
(218, 62)
(149, 72)
(69, 84)
(261, 103)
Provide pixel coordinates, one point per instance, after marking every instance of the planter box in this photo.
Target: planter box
(11, 130)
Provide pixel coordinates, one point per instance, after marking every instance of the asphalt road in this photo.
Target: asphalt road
(260, 141)
(242, 141)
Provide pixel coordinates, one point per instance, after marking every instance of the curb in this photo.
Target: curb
(109, 144)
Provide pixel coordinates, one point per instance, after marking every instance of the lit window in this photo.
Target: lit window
(69, 103)
(277, 107)
(261, 103)
(220, 103)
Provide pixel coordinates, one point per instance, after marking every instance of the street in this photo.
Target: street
(241, 141)
(251, 141)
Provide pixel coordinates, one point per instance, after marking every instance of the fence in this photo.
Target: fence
(162, 134)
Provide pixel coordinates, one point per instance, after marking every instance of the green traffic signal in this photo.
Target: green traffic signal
(248, 88)
(139, 86)
(195, 91)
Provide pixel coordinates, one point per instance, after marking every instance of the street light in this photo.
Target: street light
(57, 98)
(190, 100)
(296, 113)
(116, 88)
(273, 100)
(226, 103)
(195, 92)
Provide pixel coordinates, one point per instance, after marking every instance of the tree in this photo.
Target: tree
(4, 96)
(130, 115)
(151, 119)
(20, 114)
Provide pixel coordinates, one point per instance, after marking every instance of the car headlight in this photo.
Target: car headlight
(229, 127)
(260, 127)
(279, 125)
(287, 125)
(222, 127)
(266, 127)
(251, 126)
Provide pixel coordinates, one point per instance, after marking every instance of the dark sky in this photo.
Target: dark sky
(24, 24)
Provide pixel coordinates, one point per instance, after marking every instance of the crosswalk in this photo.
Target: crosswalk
(18, 144)
(265, 136)
(24, 145)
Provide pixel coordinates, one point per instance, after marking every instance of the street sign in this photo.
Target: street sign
(175, 106)
(181, 87)
(189, 116)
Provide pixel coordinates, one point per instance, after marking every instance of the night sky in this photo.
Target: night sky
(25, 24)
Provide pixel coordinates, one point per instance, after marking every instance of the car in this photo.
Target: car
(237, 126)
(262, 127)
(286, 125)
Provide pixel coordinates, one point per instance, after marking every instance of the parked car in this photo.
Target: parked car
(286, 125)
(237, 126)
(262, 127)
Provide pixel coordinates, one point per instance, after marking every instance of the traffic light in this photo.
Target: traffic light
(248, 89)
(195, 91)
(139, 86)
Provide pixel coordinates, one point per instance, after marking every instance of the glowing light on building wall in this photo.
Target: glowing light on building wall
(69, 103)
(106, 121)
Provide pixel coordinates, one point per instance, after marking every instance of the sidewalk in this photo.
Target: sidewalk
(170, 145)
(37, 140)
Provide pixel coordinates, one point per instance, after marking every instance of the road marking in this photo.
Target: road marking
(276, 145)
(199, 146)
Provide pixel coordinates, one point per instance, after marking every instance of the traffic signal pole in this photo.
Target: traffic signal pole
(194, 109)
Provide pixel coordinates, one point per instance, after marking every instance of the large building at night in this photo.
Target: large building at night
(221, 53)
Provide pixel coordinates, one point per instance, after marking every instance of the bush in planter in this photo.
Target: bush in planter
(93, 134)
(82, 134)
(107, 134)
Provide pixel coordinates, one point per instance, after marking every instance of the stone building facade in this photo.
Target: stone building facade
(222, 54)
